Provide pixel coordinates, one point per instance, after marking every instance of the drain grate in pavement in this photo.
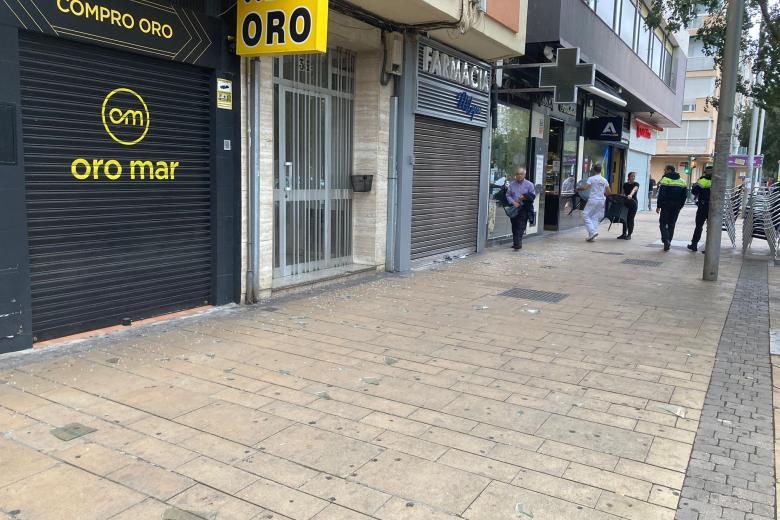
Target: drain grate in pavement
(644, 263)
(534, 295)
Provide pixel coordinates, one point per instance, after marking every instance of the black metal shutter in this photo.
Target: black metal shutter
(445, 189)
(102, 250)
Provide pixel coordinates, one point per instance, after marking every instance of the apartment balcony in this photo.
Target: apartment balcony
(686, 146)
(701, 63)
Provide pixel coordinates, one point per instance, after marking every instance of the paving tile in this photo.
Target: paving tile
(558, 487)
(94, 458)
(596, 437)
(664, 496)
(461, 441)
(346, 493)
(529, 459)
(160, 452)
(628, 386)
(217, 475)
(334, 512)
(236, 423)
(669, 454)
(149, 508)
(632, 509)
(416, 479)
(400, 509)
(281, 499)
(19, 462)
(163, 400)
(410, 445)
(276, 468)
(479, 465)
(499, 500)
(509, 437)
(581, 455)
(396, 424)
(497, 413)
(211, 503)
(609, 480)
(217, 448)
(664, 477)
(321, 450)
(151, 480)
(66, 492)
(443, 420)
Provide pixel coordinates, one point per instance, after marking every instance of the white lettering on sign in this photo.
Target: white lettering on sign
(437, 63)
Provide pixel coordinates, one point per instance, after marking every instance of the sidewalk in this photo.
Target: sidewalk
(428, 396)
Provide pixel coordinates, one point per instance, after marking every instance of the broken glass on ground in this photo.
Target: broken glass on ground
(531, 311)
(323, 395)
(522, 510)
(72, 431)
(284, 372)
(679, 411)
(390, 360)
(480, 307)
(370, 380)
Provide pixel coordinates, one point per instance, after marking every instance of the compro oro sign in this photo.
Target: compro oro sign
(281, 27)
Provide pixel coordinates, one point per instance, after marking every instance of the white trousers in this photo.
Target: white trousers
(592, 215)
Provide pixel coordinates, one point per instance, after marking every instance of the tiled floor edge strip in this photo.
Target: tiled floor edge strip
(731, 473)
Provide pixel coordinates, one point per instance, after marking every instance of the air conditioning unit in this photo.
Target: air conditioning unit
(481, 5)
(395, 53)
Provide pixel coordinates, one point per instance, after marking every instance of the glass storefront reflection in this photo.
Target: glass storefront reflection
(509, 151)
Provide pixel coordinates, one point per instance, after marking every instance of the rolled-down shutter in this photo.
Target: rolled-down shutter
(102, 250)
(445, 189)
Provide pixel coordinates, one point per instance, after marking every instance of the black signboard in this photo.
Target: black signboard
(150, 27)
(604, 129)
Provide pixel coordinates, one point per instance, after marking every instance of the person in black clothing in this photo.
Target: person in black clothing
(672, 194)
(701, 190)
(630, 190)
(650, 188)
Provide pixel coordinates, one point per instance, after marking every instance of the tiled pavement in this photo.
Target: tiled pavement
(408, 398)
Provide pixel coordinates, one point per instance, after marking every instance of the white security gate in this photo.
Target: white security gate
(314, 98)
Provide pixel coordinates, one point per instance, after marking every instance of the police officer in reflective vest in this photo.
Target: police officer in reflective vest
(672, 193)
(701, 190)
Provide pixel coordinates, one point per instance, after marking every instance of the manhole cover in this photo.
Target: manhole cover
(644, 263)
(534, 295)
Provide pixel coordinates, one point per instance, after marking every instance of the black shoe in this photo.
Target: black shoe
(628, 237)
(667, 246)
(517, 247)
(693, 247)
(623, 237)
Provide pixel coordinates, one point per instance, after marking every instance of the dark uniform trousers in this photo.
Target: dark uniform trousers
(519, 224)
(701, 218)
(667, 221)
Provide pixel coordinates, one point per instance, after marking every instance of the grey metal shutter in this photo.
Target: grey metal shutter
(103, 250)
(445, 189)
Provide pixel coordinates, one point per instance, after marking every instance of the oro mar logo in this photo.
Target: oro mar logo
(125, 116)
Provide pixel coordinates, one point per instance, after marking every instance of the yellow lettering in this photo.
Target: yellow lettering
(112, 176)
(142, 167)
(128, 21)
(174, 164)
(92, 11)
(167, 31)
(144, 25)
(115, 17)
(96, 164)
(156, 28)
(74, 169)
(61, 7)
(105, 12)
(76, 7)
(161, 173)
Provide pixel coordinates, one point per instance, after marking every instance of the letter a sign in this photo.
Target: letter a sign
(275, 27)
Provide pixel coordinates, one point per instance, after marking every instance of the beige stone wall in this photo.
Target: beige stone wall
(372, 110)
(266, 176)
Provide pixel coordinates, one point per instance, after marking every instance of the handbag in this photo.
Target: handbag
(511, 211)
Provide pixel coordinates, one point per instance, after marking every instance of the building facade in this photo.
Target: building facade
(635, 95)
(691, 147)
(373, 155)
(119, 192)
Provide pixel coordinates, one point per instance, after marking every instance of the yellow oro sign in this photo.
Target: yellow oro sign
(268, 27)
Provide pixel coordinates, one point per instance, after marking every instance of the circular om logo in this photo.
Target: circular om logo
(125, 116)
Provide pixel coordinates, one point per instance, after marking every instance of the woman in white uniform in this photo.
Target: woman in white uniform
(594, 210)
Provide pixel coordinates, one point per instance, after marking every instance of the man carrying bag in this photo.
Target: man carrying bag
(520, 209)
